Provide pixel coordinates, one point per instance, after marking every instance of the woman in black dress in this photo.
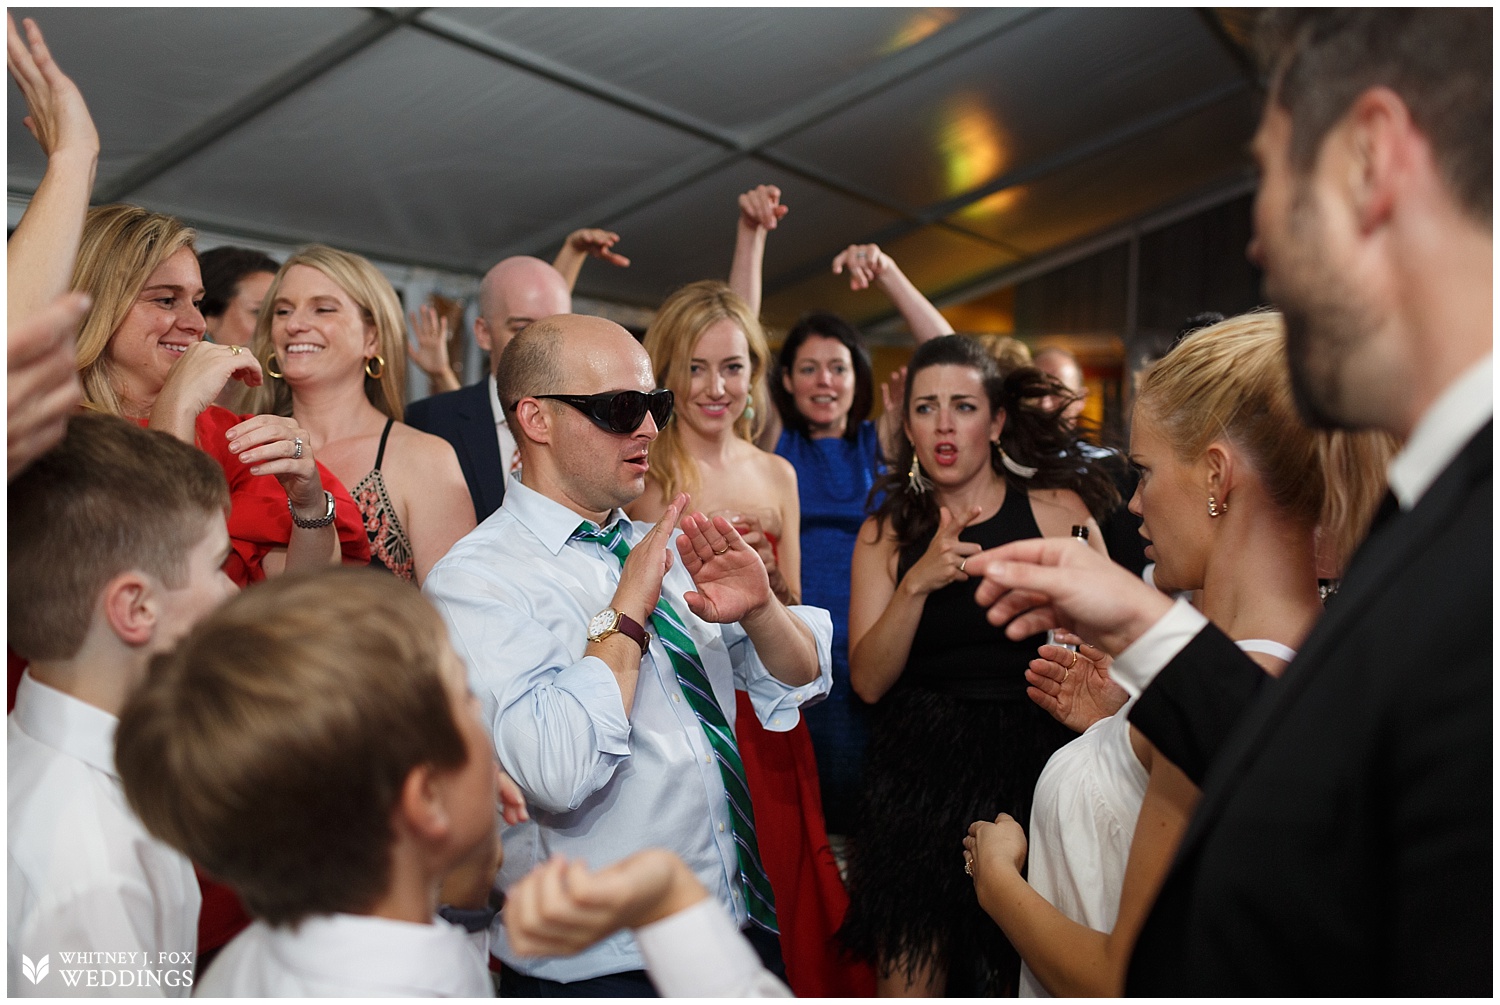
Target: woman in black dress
(955, 738)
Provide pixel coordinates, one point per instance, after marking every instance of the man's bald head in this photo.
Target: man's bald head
(1063, 366)
(512, 295)
(566, 354)
(565, 455)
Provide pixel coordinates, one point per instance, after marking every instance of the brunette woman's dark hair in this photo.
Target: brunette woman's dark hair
(832, 326)
(1033, 437)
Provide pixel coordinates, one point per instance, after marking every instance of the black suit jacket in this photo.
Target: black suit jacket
(1343, 843)
(464, 419)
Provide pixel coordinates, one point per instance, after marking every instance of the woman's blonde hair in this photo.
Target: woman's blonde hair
(121, 246)
(670, 342)
(379, 305)
(1230, 381)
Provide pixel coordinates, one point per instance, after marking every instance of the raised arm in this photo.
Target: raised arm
(760, 211)
(430, 351)
(41, 253)
(867, 263)
(582, 244)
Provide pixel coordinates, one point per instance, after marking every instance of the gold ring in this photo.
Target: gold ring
(724, 552)
(236, 350)
(1070, 666)
(963, 562)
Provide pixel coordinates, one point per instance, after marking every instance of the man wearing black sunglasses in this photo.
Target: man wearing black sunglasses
(606, 659)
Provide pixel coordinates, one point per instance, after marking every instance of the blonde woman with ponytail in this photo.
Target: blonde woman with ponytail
(1236, 496)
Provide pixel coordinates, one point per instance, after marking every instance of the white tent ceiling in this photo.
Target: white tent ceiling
(968, 142)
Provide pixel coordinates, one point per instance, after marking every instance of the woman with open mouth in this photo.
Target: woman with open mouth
(955, 734)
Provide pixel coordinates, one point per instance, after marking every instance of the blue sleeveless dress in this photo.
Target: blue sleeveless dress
(834, 477)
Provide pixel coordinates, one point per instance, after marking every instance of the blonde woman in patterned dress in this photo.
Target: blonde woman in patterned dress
(332, 339)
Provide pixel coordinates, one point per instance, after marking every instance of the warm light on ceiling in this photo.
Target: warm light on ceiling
(924, 23)
(972, 144)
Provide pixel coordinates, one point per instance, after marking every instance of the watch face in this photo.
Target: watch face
(602, 622)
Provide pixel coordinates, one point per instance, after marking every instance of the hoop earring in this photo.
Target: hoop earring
(271, 367)
(1215, 508)
(917, 481)
(379, 370)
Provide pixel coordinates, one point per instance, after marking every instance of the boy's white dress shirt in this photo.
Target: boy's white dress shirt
(347, 955)
(84, 874)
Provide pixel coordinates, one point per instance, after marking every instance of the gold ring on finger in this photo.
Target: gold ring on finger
(963, 562)
(725, 551)
(235, 350)
(1070, 666)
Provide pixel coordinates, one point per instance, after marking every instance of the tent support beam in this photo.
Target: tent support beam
(203, 135)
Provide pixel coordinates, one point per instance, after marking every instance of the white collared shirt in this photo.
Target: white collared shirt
(517, 594)
(84, 875)
(698, 953)
(1442, 432)
(510, 454)
(350, 956)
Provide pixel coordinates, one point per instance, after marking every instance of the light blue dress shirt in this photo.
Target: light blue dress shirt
(517, 595)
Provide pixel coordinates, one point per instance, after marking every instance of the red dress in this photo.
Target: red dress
(258, 516)
(782, 773)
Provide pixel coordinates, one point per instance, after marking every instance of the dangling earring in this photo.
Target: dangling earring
(379, 370)
(271, 366)
(915, 479)
(749, 412)
(1215, 509)
(1012, 465)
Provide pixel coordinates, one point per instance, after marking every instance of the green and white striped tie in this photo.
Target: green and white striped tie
(759, 900)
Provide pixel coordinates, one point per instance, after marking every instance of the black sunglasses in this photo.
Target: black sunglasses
(619, 411)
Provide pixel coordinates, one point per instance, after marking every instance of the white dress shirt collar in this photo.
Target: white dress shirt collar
(495, 407)
(1442, 432)
(551, 521)
(66, 724)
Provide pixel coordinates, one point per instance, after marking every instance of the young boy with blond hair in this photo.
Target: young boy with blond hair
(116, 539)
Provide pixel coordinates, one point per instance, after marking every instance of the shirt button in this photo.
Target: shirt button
(707, 759)
(721, 828)
(796, 696)
(735, 894)
(676, 697)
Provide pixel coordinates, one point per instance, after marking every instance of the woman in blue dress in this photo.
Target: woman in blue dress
(823, 397)
(823, 390)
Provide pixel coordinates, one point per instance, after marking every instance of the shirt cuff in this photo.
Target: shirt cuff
(1143, 659)
(698, 952)
(593, 685)
(777, 704)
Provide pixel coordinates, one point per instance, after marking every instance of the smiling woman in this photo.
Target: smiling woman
(333, 341)
(141, 355)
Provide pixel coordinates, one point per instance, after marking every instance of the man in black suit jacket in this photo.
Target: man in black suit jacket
(513, 294)
(1343, 842)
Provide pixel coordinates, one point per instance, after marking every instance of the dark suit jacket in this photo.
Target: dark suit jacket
(464, 419)
(1343, 843)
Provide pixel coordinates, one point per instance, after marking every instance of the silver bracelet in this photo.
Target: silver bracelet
(323, 521)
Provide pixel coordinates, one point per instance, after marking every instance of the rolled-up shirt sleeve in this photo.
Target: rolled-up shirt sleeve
(557, 719)
(776, 703)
